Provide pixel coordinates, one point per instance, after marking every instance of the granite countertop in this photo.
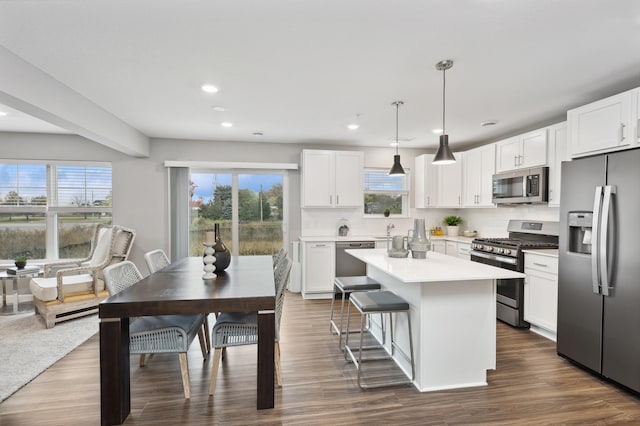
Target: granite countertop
(335, 238)
(435, 268)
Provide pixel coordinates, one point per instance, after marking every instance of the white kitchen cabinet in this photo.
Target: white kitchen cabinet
(558, 152)
(332, 178)
(522, 151)
(464, 250)
(318, 268)
(541, 291)
(426, 181)
(478, 168)
(450, 183)
(605, 125)
(451, 248)
(439, 246)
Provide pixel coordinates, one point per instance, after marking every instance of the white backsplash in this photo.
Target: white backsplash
(490, 222)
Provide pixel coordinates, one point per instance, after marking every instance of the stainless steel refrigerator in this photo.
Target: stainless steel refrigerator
(599, 273)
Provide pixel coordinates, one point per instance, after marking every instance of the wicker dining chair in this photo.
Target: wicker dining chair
(277, 258)
(241, 328)
(156, 260)
(157, 334)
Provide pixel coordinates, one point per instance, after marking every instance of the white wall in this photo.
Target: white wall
(140, 185)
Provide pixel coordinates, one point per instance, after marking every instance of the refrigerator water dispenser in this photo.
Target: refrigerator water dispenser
(580, 232)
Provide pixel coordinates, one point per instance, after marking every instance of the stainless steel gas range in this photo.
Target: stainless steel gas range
(507, 253)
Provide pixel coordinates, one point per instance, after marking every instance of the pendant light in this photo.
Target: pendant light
(397, 169)
(444, 154)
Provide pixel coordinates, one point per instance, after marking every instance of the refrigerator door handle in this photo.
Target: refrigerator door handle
(595, 237)
(604, 267)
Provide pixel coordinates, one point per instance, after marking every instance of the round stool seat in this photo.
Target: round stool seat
(359, 283)
(379, 301)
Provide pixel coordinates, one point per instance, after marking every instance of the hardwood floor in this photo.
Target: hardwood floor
(531, 386)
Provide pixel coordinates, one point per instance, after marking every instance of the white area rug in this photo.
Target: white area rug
(27, 347)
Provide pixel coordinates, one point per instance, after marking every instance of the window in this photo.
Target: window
(384, 192)
(248, 206)
(49, 211)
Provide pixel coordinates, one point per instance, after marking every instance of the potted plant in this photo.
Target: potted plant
(452, 223)
(21, 262)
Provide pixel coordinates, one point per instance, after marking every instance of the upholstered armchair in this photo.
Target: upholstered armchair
(70, 289)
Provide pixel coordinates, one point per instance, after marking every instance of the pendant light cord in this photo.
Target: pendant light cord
(397, 109)
(444, 84)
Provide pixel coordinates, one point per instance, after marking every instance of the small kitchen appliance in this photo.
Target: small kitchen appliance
(508, 253)
(398, 246)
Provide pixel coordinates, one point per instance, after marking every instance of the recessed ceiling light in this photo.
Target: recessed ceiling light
(258, 134)
(219, 108)
(209, 88)
(3, 113)
(436, 131)
(489, 123)
(353, 126)
(226, 124)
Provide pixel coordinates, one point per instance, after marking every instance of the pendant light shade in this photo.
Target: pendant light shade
(397, 169)
(444, 154)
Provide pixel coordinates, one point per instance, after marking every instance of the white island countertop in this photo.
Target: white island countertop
(436, 267)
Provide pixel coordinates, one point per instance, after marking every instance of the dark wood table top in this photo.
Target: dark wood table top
(246, 285)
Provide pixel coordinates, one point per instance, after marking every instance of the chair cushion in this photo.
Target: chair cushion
(189, 323)
(46, 289)
(378, 301)
(246, 318)
(359, 283)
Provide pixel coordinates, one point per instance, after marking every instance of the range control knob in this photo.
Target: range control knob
(507, 251)
(500, 250)
(488, 248)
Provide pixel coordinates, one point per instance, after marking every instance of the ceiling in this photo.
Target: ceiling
(299, 71)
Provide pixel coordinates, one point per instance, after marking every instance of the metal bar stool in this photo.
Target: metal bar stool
(347, 285)
(378, 302)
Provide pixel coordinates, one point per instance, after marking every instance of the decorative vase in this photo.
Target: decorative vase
(453, 231)
(222, 253)
(209, 262)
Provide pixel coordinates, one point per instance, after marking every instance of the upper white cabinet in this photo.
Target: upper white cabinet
(522, 151)
(450, 183)
(478, 168)
(426, 181)
(558, 152)
(332, 178)
(605, 125)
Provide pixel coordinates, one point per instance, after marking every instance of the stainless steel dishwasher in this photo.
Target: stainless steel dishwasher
(347, 265)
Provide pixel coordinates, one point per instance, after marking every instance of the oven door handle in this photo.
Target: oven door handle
(509, 260)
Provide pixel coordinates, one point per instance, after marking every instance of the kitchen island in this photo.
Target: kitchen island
(453, 315)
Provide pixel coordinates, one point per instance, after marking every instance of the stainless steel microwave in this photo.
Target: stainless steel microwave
(525, 186)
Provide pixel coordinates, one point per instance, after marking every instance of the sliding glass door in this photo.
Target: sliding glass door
(249, 207)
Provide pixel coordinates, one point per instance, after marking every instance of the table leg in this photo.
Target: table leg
(115, 386)
(266, 339)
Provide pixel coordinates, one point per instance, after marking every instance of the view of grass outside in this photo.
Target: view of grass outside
(82, 199)
(25, 235)
(259, 212)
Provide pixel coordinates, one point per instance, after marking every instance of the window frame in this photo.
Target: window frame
(52, 210)
(406, 194)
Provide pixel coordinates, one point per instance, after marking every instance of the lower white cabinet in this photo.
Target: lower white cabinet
(541, 291)
(451, 248)
(464, 250)
(318, 268)
(438, 246)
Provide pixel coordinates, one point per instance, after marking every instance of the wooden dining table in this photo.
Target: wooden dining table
(246, 285)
